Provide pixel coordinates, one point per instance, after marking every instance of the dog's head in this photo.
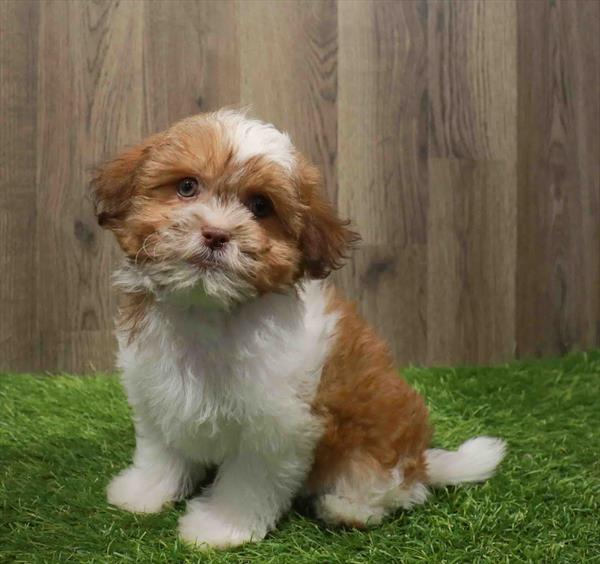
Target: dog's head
(222, 200)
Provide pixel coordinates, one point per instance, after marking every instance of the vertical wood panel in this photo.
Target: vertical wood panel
(383, 164)
(559, 176)
(289, 73)
(471, 261)
(472, 219)
(18, 56)
(191, 59)
(90, 101)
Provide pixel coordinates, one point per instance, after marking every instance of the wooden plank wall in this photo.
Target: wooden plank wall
(461, 136)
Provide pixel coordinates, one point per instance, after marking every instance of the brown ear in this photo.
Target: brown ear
(325, 239)
(113, 184)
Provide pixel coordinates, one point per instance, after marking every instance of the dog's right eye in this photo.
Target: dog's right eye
(260, 206)
(187, 187)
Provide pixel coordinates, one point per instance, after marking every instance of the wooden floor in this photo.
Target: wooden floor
(462, 137)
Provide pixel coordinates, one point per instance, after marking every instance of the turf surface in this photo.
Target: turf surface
(62, 438)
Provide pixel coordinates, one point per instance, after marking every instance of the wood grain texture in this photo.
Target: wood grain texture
(191, 59)
(472, 79)
(472, 216)
(90, 101)
(289, 74)
(471, 261)
(461, 136)
(383, 165)
(558, 275)
(18, 96)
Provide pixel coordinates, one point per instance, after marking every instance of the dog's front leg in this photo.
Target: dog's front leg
(252, 490)
(158, 475)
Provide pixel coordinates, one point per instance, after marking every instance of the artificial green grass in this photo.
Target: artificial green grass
(62, 438)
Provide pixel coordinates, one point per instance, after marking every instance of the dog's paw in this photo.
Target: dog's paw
(204, 527)
(140, 491)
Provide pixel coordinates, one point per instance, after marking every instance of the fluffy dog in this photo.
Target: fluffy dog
(236, 353)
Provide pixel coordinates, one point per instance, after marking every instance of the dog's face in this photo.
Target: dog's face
(221, 200)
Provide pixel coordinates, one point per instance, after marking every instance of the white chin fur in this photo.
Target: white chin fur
(183, 283)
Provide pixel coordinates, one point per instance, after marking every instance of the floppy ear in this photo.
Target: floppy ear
(113, 184)
(325, 238)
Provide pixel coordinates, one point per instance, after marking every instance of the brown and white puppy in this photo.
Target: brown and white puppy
(235, 352)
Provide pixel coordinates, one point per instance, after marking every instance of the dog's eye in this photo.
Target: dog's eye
(187, 187)
(260, 206)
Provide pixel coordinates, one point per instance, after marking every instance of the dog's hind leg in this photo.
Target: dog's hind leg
(364, 492)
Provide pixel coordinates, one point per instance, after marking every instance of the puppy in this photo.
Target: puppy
(236, 353)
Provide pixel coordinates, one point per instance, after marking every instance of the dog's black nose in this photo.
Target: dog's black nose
(215, 238)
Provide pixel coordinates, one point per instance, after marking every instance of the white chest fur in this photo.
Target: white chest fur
(209, 381)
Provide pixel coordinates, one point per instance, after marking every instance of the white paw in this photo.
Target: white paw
(140, 491)
(203, 526)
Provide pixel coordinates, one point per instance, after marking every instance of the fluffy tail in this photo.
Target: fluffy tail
(474, 461)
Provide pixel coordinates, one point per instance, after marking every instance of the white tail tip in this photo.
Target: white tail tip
(474, 461)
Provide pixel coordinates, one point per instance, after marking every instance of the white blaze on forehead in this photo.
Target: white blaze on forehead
(251, 138)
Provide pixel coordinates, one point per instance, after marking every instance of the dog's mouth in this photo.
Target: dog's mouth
(209, 260)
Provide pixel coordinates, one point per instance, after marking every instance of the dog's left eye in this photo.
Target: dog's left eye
(187, 187)
(260, 206)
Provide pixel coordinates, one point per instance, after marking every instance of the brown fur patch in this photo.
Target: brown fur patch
(325, 239)
(113, 183)
(368, 410)
(278, 253)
